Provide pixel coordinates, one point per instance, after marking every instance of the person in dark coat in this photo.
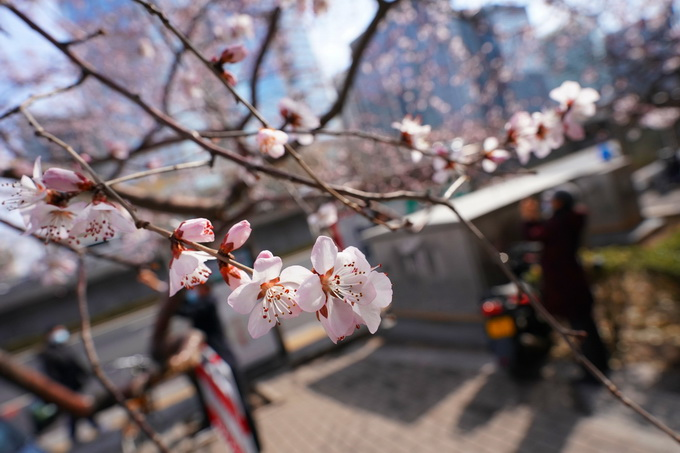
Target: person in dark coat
(61, 364)
(565, 290)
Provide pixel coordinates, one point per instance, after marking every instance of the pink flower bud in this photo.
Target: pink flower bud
(195, 230)
(66, 180)
(233, 54)
(236, 237)
(230, 77)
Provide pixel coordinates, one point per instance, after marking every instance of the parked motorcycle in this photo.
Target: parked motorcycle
(518, 337)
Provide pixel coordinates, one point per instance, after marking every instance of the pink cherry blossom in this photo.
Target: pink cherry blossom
(27, 191)
(575, 99)
(240, 26)
(341, 280)
(414, 134)
(299, 117)
(271, 295)
(66, 180)
(233, 54)
(233, 276)
(370, 314)
(54, 223)
(326, 216)
(520, 130)
(57, 267)
(236, 237)
(493, 155)
(196, 230)
(99, 221)
(549, 133)
(446, 161)
(271, 142)
(187, 268)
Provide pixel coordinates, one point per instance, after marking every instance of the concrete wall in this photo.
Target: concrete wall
(443, 271)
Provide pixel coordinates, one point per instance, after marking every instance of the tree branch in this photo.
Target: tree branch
(357, 55)
(264, 48)
(86, 334)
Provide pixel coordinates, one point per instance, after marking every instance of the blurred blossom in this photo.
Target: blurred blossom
(53, 223)
(240, 26)
(326, 216)
(66, 180)
(271, 142)
(57, 267)
(100, 220)
(579, 101)
(299, 116)
(549, 132)
(413, 134)
(146, 48)
(519, 129)
(493, 155)
(233, 54)
(25, 192)
(119, 151)
(660, 118)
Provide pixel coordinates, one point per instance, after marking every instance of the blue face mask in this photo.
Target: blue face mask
(191, 297)
(60, 336)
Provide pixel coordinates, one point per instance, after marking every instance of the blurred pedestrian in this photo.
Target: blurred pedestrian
(61, 364)
(565, 290)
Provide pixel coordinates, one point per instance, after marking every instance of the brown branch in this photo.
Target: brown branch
(86, 334)
(357, 55)
(44, 387)
(254, 77)
(194, 135)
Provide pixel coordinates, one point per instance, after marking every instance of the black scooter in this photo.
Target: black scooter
(518, 337)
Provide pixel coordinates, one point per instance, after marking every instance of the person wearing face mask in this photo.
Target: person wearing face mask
(62, 365)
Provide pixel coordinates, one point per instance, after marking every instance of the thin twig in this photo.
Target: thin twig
(99, 32)
(91, 352)
(155, 171)
(36, 97)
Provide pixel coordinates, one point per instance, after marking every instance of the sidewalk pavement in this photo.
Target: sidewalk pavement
(377, 396)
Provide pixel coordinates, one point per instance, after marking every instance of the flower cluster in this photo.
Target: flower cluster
(65, 206)
(542, 132)
(537, 133)
(342, 289)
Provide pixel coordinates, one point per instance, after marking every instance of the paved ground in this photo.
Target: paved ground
(376, 396)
